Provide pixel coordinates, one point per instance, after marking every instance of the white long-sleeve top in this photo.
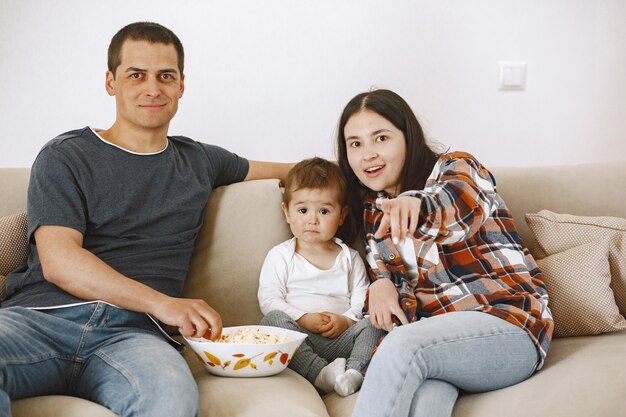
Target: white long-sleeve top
(290, 283)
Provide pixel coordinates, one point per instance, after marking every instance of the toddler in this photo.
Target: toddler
(316, 284)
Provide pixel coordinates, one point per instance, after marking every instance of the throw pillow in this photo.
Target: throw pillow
(555, 233)
(13, 245)
(579, 294)
(3, 286)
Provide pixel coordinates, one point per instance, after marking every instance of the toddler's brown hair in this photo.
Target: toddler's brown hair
(316, 173)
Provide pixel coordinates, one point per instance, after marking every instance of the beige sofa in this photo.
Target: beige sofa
(582, 376)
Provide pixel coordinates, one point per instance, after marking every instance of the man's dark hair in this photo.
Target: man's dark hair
(143, 31)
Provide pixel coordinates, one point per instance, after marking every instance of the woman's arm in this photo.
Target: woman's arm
(448, 211)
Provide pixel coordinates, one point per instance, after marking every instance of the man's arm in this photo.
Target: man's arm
(261, 170)
(68, 265)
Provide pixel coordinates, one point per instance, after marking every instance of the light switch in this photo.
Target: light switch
(512, 75)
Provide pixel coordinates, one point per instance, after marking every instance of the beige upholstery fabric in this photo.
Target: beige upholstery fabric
(13, 242)
(582, 376)
(3, 286)
(13, 189)
(285, 394)
(580, 297)
(557, 233)
(242, 223)
(58, 406)
(13, 245)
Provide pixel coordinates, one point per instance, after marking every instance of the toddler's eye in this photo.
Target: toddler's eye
(324, 212)
(302, 211)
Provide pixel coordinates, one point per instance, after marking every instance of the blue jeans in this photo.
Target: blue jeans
(95, 351)
(419, 368)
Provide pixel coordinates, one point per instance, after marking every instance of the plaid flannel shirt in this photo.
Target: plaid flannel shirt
(469, 254)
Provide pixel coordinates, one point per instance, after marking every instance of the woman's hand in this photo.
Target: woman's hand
(401, 215)
(384, 305)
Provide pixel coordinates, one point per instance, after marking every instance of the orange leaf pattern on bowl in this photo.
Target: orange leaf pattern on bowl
(213, 360)
(243, 362)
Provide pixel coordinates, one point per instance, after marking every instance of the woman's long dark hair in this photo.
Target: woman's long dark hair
(420, 158)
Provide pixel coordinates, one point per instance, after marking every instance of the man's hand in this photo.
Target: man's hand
(313, 322)
(384, 305)
(336, 325)
(194, 318)
(68, 265)
(401, 215)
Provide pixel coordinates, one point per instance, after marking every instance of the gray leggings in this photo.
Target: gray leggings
(356, 344)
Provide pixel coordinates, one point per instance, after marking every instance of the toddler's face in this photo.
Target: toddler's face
(314, 214)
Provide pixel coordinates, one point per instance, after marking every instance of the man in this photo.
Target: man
(113, 217)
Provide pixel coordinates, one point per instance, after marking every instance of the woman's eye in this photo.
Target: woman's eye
(381, 138)
(355, 144)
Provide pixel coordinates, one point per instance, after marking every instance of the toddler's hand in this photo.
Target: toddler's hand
(336, 325)
(313, 322)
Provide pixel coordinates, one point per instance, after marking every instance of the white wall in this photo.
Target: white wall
(269, 78)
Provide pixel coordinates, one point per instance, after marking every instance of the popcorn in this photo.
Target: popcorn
(255, 336)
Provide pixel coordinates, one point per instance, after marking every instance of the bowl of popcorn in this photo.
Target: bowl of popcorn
(247, 351)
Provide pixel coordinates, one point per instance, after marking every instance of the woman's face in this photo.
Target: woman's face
(376, 151)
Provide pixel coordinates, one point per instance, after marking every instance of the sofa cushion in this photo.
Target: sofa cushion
(582, 376)
(13, 245)
(555, 233)
(58, 405)
(580, 297)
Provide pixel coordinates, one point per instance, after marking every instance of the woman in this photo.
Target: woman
(460, 295)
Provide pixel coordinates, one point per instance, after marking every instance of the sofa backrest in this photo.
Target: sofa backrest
(243, 221)
(13, 187)
(584, 190)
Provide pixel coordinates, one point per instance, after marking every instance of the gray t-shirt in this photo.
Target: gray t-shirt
(139, 213)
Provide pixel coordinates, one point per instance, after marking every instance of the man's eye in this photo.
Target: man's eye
(135, 75)
(167, 77)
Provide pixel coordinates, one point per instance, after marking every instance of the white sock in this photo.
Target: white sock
(325, 381)
(348, 383)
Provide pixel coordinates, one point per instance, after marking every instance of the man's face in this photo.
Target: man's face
(147, 85)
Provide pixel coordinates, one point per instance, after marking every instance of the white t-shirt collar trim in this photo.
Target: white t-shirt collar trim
(126, 150)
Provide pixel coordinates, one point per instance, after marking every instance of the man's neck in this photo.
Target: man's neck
(136, 140)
